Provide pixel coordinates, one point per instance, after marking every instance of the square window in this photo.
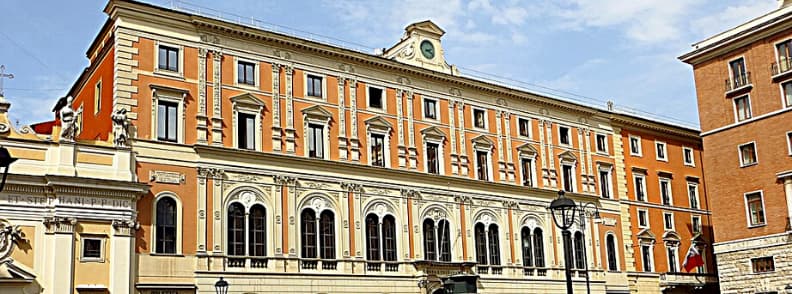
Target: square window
(479, 118)
(563, 136)
(635, 146)
(787, 88)
(755, 207)
(660, 151)
(668, 221)
(315, 141)
(643, 219)
(167, 121)
(246, 73)
(430, 108)
(524, 127)
(375, 99)
(602, 143)
(742, 108)
(640, 187)
(313, 86)
(92, 248)
(763, 264)
(687, 155)
(748, 154)
(665, 191)
(168, 58)
(246, 127)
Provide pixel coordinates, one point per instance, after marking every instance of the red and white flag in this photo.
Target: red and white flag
(693, 259)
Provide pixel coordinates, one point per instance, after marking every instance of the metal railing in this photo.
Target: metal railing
(782, 66)
(738, 82)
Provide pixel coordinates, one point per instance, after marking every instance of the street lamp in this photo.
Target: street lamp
(596, 215)
(221, 286)
(563, 210)
(5, 163)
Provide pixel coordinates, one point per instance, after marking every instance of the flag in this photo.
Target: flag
(693, 259)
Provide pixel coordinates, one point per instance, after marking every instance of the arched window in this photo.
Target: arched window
(308, 234)
(437, 240)
(580, 259)
(381, 238)
(389, 238)
(257, 231)
(610, 245)
(481, 244)
(372, 237)
(327, 234)
(539, 260)
(527, 247)
(236, 230)
(166, 226)
(493, 245)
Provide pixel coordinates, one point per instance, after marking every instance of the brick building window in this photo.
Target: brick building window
(246, 73)
(527, 172)
(748, 154)
(167, 121)
(742, 108)
(755, 207)
(668, 221)
(739, 74)
(763, 264)
(647, 258)
(315, 141)
(640, 187)
(375, 98)
(687, 156)
(789, 141)
(605, 179)
(665, 191)
(482, 165)
(430, 108)
(693, 195)
(643, 218)
(602, 143)
(378, 150)
(432, 158)
(564, 136)
(246, 127)
(168, 58)
(784, 50)
(660, 151)
(787, 88)
(313, 86)
(568, 176)
(695, 224)
(635, 146)
(525, 127)
(479, 118)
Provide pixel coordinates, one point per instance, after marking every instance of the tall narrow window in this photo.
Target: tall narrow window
(643, 219)
(315, 141)
(444, 234)
(98, 97)
(430, 242)
(430, 108)
(748, 154)
(527, 247)
(668, 221)
(313, 86)
(696, 224)
(665, 191)
(166, 226)
(482, 165)
(308, 235)
(693, 195)
(236, 230)
(378, 150)
(168, 58)
(742, 107)
(604, 177)
(660, 149)
(787, 87)
(569, 174)
(493, 245)
(372, 237)
(388, 238)
(564, 136)
(539, 260)
(375, 98)
(756, 215)
(327, 235)
(527, 172)
(479, 118)
(246, 127)
(646, 256)
(602, 143)
(610, 246)
(246, 73)
(525, 127)
(432, 162)
(739, 74)
(167, 121)
(640, 187)
(784, 50)
(580, 258)
(481, 244)
(671, 252)
(687, 155)
(437, 240)
(257, 231)
(635, 146)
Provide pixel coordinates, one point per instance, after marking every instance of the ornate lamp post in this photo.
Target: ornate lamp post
(221, 286)
(583, 215)
(564, 214)
(5, 163)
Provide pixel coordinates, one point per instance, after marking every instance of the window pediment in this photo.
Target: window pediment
(158, 90)
(317, 112)
(433, 133)
(665, 174)
(671, 236)
(247, 100)
(567, 157)
(378, 123)
(482, 142)
(527, 150)
(646, 236)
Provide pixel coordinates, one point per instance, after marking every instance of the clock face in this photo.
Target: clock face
(427, 49)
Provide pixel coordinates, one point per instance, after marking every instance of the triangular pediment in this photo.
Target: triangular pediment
(527, 149)
(15, 273)
(567, 156)
(671, 236)
(646, 235)
(426, 26)
(433, 132)
(317, 111)
(482, 142)
(247, 99)
(379, 122)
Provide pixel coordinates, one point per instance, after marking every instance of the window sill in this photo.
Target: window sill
(167, 254)
(749, 165)
(484, 129)
(690, 165)
(168, 73)
(247, 86)
(96, 260)
(315, 97)
(636, 155)
(662, 159)
(603, 153)
(757, 226)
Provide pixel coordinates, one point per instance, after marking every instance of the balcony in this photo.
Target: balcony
(781, 68)
(382, 266)
(246, 262)
(314, 264)
(687, 281)
(738, 83)
(534, 272)
(489, 270)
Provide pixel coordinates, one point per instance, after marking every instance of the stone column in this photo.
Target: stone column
(122, 251)
(59, 269)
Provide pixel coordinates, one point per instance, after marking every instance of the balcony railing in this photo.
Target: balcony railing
(489, 270)
(738, 82)
(313, 264)
(781, 67)
(534, 271)
(382, 266)
(250, 262)
(690, 279)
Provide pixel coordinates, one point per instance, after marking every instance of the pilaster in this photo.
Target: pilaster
(463, 157)
(217, 86)
(452, 136)
(354, 141)
(290, 131)
(122, 254)
(343, 153)
(620, 174)
(402, 152)
(59, 269)
(218, 175)
(203, 174)
(499, 132)
(509, 151)
(201, 118)
(412, 150)
(276, 109)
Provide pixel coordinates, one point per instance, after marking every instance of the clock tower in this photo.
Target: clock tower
(420, 46)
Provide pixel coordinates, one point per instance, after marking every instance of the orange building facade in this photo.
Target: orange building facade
(286, 165)
(745, 97)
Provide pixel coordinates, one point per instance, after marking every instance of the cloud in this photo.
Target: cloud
(730, 17)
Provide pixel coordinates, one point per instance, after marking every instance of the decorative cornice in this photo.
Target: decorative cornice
(60, 225)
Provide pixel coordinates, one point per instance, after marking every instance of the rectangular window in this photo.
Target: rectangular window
(524, 127)
(246, 127)
(665, 191)
(313, 85)
(635, 146)
(643, 218)
(378, 150)
(569, 176)
(168, 58)
(480, 118)
(604, 177)
(738, 73)
(748, 154)
(167, 121)
(787, 87)
(98, 97)
(784, 50)
(430, 108)
(602, 143)
(375, 98)
(672, 259)
(660, 151)
(742, 108)
(482, 167)
(763, 264)
(755, 208)
(668, 221)
(246, 73)
(432, 158)
(789, 142)
(92, 249)
(696, 224)
(646, 254)
(563, 136)
(527, 172)
(687, 155)
(315, 141)
(693, 195)
(640, 187)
